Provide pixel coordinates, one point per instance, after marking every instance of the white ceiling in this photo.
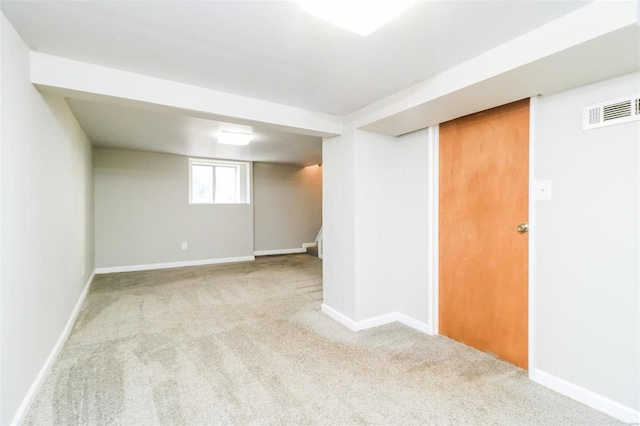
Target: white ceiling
(268, 50)
(115, 126)
(272, 50)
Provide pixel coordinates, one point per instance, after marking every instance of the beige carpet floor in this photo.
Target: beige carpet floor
(245, 343)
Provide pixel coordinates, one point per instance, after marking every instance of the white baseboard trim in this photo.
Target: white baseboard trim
(357, 325)
(337, 316)
(302, 249)
(46, 367)
(279, 251)
(587, 397)
(152, 266)
(414, 323)
(375, 321)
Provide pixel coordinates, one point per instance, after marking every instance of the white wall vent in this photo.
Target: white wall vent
(611, 112)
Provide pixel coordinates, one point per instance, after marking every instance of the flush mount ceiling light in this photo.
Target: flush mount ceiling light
(359, 16)
(234, 138)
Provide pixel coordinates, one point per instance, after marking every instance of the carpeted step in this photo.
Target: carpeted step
(312, 250)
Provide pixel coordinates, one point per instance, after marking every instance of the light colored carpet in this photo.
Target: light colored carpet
(245, 343)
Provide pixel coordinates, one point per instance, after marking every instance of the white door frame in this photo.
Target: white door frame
(433, 168)
(533, 106)
(433, 161)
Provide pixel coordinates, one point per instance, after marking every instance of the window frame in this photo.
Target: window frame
(243, 179)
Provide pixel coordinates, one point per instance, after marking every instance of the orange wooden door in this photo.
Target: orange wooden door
(484, 194)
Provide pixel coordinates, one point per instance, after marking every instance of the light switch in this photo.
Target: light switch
(184, 246)
(543, 190)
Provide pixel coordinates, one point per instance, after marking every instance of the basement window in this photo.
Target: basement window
(219, 182)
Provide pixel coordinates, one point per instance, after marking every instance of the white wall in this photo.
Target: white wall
(587, 243)
(46, 222)
(587, 322)
(411, 225)
(287, 205)
(338, 215)
(375, 225)
(375, 231)
(143, 213)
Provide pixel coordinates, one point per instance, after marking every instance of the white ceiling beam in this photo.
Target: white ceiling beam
(548, 58)
(81, 80)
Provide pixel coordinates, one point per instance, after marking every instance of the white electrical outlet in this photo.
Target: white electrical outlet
(184, 245)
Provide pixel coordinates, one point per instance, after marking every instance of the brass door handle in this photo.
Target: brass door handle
(523, 228)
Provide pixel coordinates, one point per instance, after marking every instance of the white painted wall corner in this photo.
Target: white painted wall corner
(376, 321)
(414, 323)
(357, 325)
(46, 367)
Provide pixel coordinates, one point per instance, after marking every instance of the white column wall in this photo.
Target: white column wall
(338, 220)
(375, 231)
(375, 226)
(411, 226)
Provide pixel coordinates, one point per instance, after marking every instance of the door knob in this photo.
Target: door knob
(523, 228)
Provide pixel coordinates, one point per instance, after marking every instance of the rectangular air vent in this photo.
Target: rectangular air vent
(611, 112)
